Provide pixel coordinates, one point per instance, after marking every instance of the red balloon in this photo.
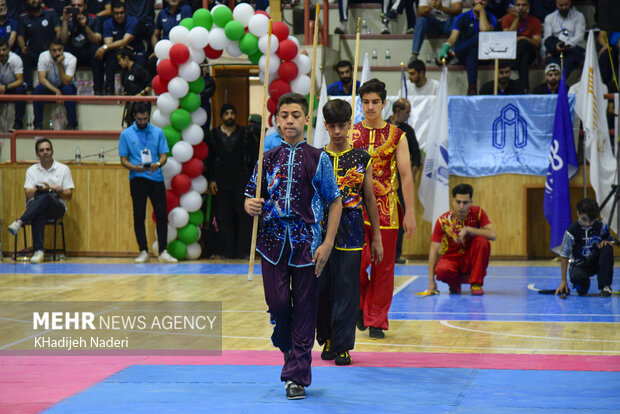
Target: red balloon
(179, 54)
(278, 88)
(201, 151)
(167, 70)
(280, 30)
(263, 12)
(159, 85)
(193, 168)
(181, 184)
(288, 71)
(172, 201)
(287, 50)
(272, 105)
(212, 53)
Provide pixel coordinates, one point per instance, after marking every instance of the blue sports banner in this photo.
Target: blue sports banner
(492, 135)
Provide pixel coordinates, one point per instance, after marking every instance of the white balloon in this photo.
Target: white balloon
(178, 87)
(243, 12)
(200, 184)
(159, 119)
(162, 49)
(172, 233)
(258, 25)
(274, 63)
(197, 55)
(198, 37)
(262, 44)
(304, 64)
(182, 151)
(189, 71)
(272, 76)
(294, 40)
(193, 134)
(194, 250)
(233, 47)
(171, 168)
(301, 85)
(199, 116)
(179, 34)
(166, 103)
(178, 217)
(191, 201)
(218, 39)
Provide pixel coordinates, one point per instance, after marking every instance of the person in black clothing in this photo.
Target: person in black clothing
(505, 85)
(135, 79)
(100, 8)
(589, 249)
(552, 78)
(36, 28)
(16, 8)
(400, 114)
(229, 165)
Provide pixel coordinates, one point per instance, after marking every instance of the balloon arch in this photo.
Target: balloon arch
(179, 83)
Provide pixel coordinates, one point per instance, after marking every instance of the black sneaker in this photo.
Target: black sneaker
(376, 333)
(360, 321)
(327, 354)
(343, 358)
(606, 292)
(294, 391)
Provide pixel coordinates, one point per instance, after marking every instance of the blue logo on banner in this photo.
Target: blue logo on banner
(509, 123)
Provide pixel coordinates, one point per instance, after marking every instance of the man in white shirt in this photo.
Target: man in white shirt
(56, 69)
(12, 80)
(418, 83)
(48, 185)
(436, 18)
(564, 33)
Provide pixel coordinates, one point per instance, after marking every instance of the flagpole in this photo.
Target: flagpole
(313, 73)
(356, 60)
(495, 76)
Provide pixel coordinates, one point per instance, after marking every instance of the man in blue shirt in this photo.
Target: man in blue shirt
(8, 25)
(144, 11)
(143, 150)
(344, 86)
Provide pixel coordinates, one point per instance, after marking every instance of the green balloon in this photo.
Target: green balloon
(191, 101)
(202, 17)
(255, 57)
(172, 135)
(196, 217)
(222, 15)
(234, 30)
(188, 234)
(188, 22)
(198, 85)
(248, 44)
(177, 249)
(180, 119)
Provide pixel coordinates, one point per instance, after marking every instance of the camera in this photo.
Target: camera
(75, 11)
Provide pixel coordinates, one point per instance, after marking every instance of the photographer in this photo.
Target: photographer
(81, 33)
(564, 33)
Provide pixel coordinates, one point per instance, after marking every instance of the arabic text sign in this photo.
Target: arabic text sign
(497, 45)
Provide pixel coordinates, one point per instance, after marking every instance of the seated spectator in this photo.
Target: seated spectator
(81, 33)
(48, 185)
(552, 81)
(8, 25)
(118, 31)
(608, 58)
(397, 8)
(529, 33)
(435, 17)
(168, 18)
(16, 8)
(144, 11)
(499, 8)
(464, 39)
(505, 85)
(344, 86)
(541, 8)
(418, 83)
(135, 79)
(564, 34)
(343, 12)
(35, 29)
(100, 8)
(12, 80)
(56, 70)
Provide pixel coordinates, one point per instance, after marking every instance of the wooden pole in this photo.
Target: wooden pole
(354, 86)
(495, 76)
(261, 148)
(313, 73)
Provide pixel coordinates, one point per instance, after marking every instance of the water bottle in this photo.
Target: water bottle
(374, 57)
(101, 156)
(78, 155)
(388, 58)
(429, 58)
(364, 29)
(51, 124)
(29, 122)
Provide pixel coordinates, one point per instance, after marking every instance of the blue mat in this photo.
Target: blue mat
(250, 389)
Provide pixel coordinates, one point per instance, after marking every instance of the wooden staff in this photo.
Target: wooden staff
(312, 73)
(261, 148)
(496, 76)
(354, 87)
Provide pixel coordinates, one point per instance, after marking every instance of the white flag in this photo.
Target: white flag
(321, 137)
(359, 114)
(434, 190)
(591, 107)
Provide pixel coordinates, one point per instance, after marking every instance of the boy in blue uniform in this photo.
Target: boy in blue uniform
(297, 182)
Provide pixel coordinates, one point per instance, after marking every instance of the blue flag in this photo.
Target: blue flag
(562, 167)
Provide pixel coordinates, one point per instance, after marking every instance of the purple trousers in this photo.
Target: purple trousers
(292, 297)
